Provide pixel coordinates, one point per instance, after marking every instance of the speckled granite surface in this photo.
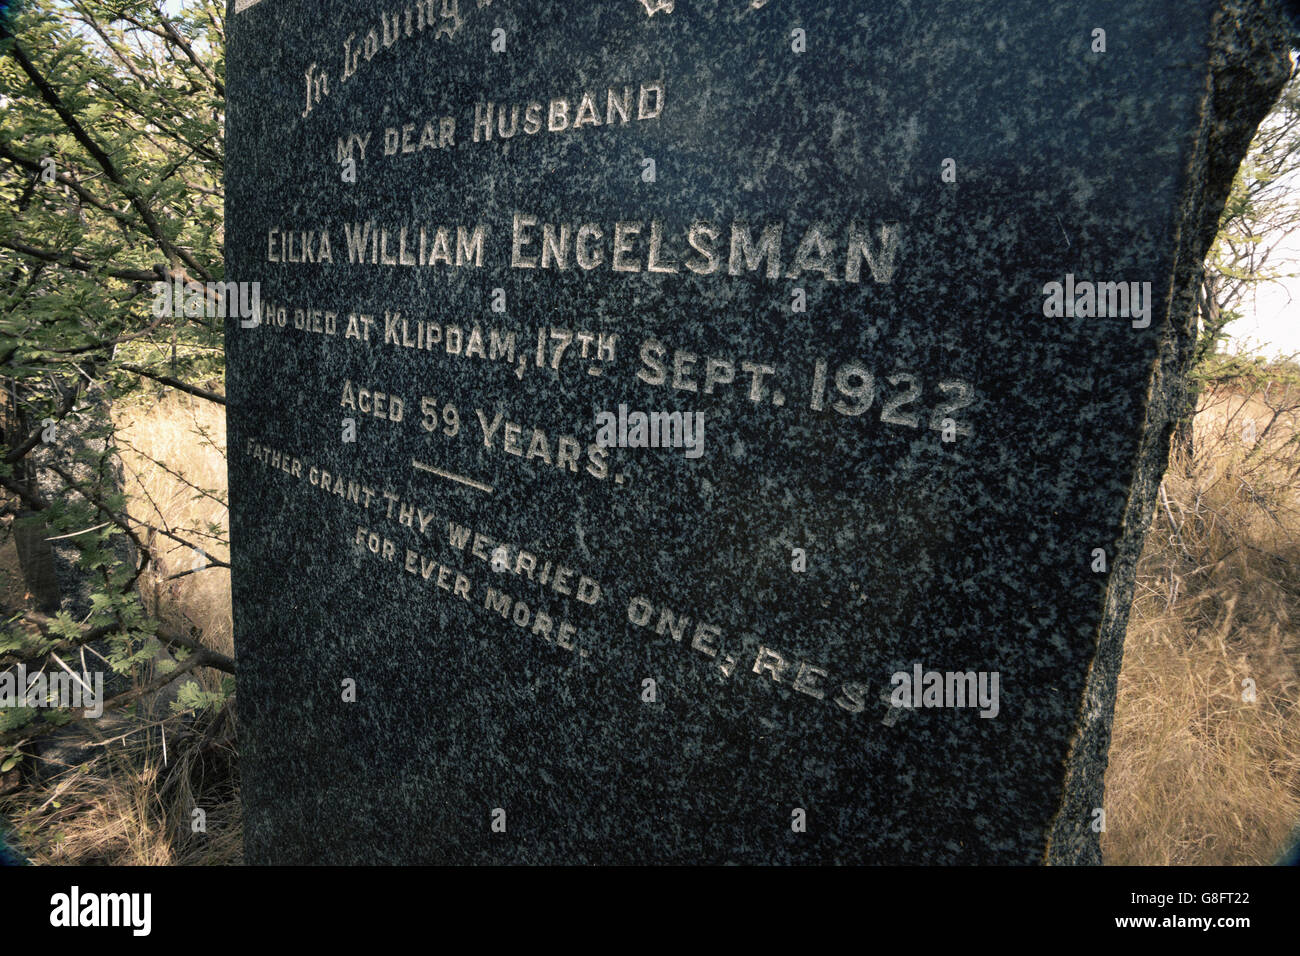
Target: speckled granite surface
(503, 714)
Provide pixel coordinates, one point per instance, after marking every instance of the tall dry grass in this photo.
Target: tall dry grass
(128, 806)
(132, 801)
(1205, 754)
(173, 453)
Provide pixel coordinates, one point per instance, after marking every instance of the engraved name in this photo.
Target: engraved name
(631, 247)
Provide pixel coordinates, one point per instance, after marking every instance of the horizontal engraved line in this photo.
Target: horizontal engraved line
(451, 475)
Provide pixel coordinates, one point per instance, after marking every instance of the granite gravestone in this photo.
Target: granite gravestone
(917, 277)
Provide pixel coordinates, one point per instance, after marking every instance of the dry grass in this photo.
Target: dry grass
(132, 802)
(1201, 773)
(173, 452)
(126, 808)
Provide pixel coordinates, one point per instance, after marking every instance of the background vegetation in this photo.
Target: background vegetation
(112, 428)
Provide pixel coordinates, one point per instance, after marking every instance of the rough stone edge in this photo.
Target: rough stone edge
(1248, 48)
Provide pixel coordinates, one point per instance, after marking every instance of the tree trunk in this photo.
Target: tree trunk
(35, 553)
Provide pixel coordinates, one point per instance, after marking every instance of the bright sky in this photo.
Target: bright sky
(1270, 323)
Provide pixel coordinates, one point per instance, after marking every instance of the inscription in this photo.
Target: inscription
(845, 387)
(510, 583)
(632, 246)
(617, 106)
(492, 122)
(550, 578)
(628, 247)
(441, 18)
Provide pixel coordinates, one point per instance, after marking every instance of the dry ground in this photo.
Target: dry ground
(1205, 757)
(132, 802)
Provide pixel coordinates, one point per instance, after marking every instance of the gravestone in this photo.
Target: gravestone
(916, 274)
